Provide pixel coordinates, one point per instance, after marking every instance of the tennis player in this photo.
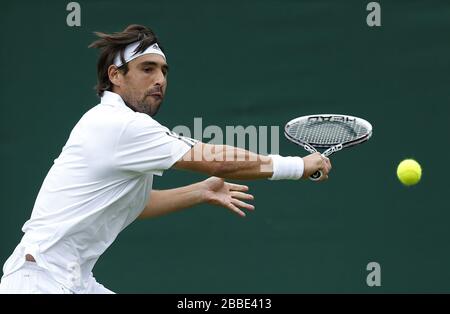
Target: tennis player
(102, 180)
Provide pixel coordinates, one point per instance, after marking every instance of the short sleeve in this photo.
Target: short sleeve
(145, 146)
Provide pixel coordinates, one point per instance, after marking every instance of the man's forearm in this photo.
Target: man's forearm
(242, 164)
(163, 202)
(227, 162)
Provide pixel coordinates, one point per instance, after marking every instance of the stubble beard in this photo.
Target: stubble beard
(141, 105)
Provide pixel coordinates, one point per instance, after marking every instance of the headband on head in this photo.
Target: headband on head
(130, 53)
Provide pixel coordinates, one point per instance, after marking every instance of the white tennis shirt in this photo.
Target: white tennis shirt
(97, 186)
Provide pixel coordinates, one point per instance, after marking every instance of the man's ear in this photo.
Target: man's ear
(115, 76)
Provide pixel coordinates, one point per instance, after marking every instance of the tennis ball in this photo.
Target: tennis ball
(409, 172)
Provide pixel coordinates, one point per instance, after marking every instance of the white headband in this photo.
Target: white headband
(129, 53)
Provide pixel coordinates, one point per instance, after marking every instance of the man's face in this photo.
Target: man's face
(144, 86)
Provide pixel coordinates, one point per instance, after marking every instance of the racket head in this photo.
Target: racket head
(328, 130)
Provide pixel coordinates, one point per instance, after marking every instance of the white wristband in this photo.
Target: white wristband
(287, 168)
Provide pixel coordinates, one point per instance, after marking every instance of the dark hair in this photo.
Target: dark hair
(112, 44)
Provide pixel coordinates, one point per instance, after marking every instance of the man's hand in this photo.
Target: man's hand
(315, 162)
(228, 195)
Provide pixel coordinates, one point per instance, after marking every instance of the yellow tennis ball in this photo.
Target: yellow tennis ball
(409, 172)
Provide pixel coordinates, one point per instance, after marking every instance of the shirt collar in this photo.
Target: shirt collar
(110, 98)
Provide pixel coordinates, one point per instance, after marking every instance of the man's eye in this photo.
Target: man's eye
(147, 70)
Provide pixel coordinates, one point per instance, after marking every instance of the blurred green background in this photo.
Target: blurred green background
(253, 63)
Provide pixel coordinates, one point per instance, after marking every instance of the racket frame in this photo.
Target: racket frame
(331, 149)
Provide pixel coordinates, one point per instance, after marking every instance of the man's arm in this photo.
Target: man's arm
(235, 163)
(213, 191)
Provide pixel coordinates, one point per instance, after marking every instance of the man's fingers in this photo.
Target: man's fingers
(242, 204)
(323, 178)
(236, 210)
(326, 165)
(241, 195)
(237, 187)
(317, 162)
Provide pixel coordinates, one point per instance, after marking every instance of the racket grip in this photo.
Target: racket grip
(316, 175)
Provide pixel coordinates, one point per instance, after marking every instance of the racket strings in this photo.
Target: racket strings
(326, 132)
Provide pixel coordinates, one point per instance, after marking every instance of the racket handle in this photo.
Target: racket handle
(316, 175)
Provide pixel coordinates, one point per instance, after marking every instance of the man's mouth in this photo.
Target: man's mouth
(156, 95)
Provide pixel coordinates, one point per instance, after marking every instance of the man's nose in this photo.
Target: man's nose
(160, 79)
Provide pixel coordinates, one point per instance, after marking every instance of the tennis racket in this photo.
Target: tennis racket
(331, 132)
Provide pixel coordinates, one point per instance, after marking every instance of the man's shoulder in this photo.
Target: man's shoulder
(103, 119)
(144, 120)
(106, 117)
